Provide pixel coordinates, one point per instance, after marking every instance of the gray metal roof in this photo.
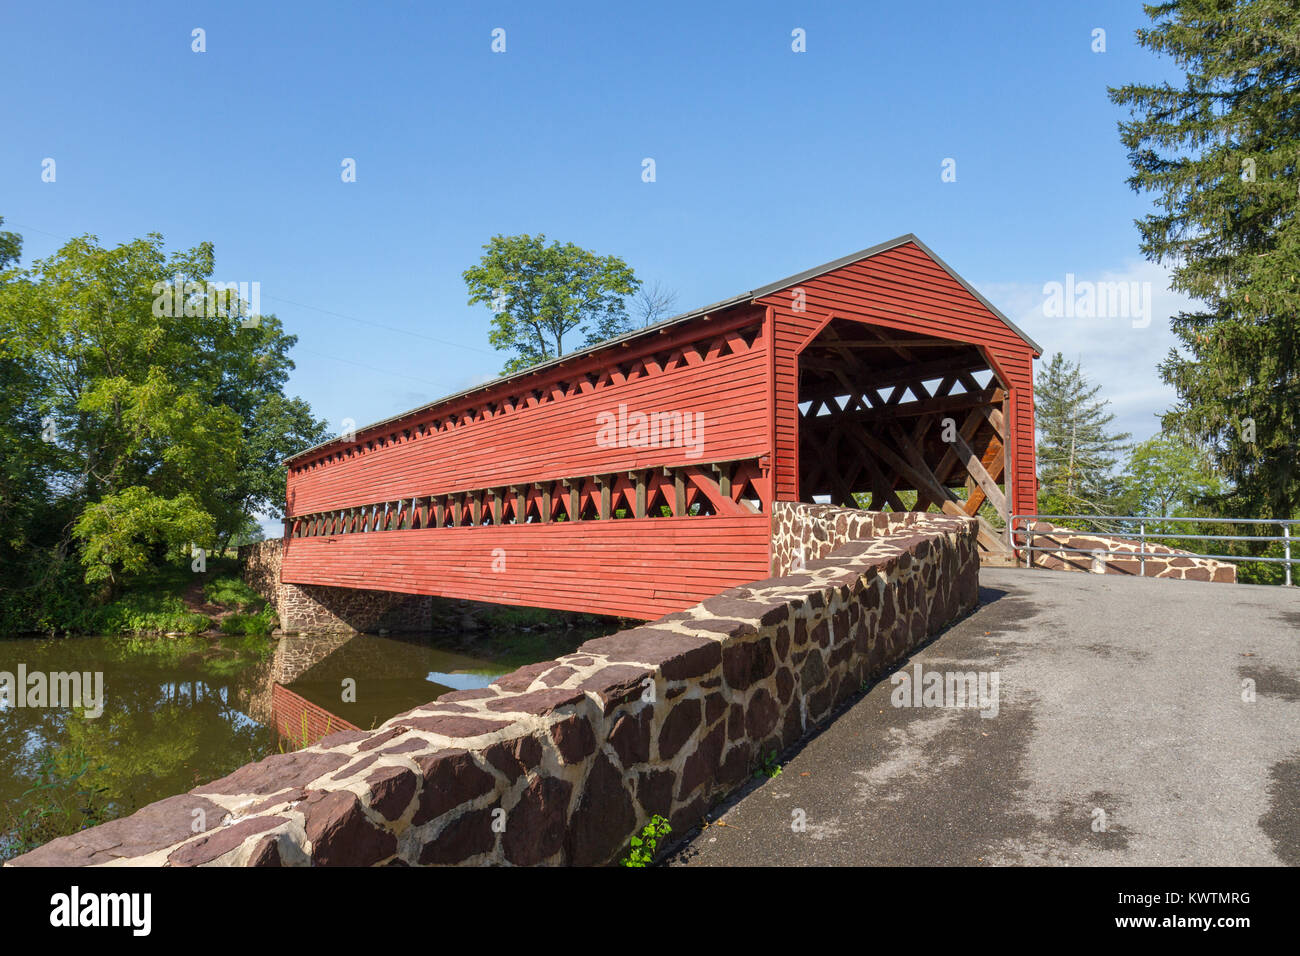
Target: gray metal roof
(743, 297)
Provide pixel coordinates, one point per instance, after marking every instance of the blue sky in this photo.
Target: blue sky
(767, 161)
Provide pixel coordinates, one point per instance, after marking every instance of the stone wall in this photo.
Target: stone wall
(562, 762)
(1165, 563)
(806, 532)
(311, 608)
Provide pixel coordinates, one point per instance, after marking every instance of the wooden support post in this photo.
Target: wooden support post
(575, 500)
(723, 471)
(1005, 433)
(639, 477)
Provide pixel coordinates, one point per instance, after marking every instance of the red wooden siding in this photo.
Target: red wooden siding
(900, 288)
(301, 721)
(638, 568)
(553, 434)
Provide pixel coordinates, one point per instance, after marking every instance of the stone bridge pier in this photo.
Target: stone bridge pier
(320, 609)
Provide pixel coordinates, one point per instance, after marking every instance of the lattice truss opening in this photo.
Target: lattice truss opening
(883, 411)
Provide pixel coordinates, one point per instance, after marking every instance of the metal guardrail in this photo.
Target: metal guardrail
(1026, 534)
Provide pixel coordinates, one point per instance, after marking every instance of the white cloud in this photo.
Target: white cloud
(1114, 354)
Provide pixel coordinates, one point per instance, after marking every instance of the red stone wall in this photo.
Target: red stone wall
(1166, 562)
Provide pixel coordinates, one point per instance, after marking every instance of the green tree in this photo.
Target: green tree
(1166, 475)
(539, 293)
(11, 247)
(1218, 151)
(157, 407)
(26, 461)
(129, 532)
(1076, 451)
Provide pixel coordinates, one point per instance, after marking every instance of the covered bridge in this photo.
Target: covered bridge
(638, 477)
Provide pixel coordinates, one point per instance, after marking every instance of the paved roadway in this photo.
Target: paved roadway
(1117, 696)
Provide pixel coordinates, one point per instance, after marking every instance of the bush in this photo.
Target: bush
(229, 591)
(149, 613)
(258, 624)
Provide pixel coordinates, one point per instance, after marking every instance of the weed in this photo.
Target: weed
(64, 803)
(643, 847)
(768, 767)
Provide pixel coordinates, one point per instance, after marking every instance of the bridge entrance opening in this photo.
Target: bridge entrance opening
(904, 421)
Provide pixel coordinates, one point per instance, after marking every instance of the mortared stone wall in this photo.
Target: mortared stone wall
(1161, 561)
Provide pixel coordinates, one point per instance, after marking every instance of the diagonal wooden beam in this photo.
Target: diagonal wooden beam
(975, 468)
(969, 429)
(722, 504)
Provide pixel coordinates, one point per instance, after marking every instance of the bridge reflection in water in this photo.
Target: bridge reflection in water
(318, 684)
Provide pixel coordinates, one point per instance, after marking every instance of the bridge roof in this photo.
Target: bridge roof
(682, 319)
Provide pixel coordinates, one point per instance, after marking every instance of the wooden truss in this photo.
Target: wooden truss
(883, 412)
(678, 491)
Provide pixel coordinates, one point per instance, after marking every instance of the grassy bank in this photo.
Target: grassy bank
(174, 600)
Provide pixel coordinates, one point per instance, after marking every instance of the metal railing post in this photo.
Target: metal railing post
(1142, 544)
(1286, 533)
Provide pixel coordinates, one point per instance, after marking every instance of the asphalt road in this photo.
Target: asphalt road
(1121, 738)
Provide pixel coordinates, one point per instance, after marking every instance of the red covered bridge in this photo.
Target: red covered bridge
(637, 477)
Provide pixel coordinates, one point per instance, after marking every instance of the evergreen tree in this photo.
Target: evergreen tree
(1076, 452)
(1219, 152)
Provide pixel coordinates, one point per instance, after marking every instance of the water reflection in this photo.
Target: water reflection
(363, 679)
(178, 712)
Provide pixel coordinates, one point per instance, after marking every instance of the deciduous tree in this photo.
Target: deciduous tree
(541, 293)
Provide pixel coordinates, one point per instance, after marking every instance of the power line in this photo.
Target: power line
(371, 368)
(380, 325)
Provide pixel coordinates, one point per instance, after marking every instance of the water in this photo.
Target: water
(178, 712)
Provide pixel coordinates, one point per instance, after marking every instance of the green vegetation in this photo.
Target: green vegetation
(768, 766)
(289, 742)
(1216, 152)
(145, 612)
(643, 847)
(1076, 450)
(142, 416)
(230, 591)
(63, 802)
(164, 601)
(257, 624)
(539, 293)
